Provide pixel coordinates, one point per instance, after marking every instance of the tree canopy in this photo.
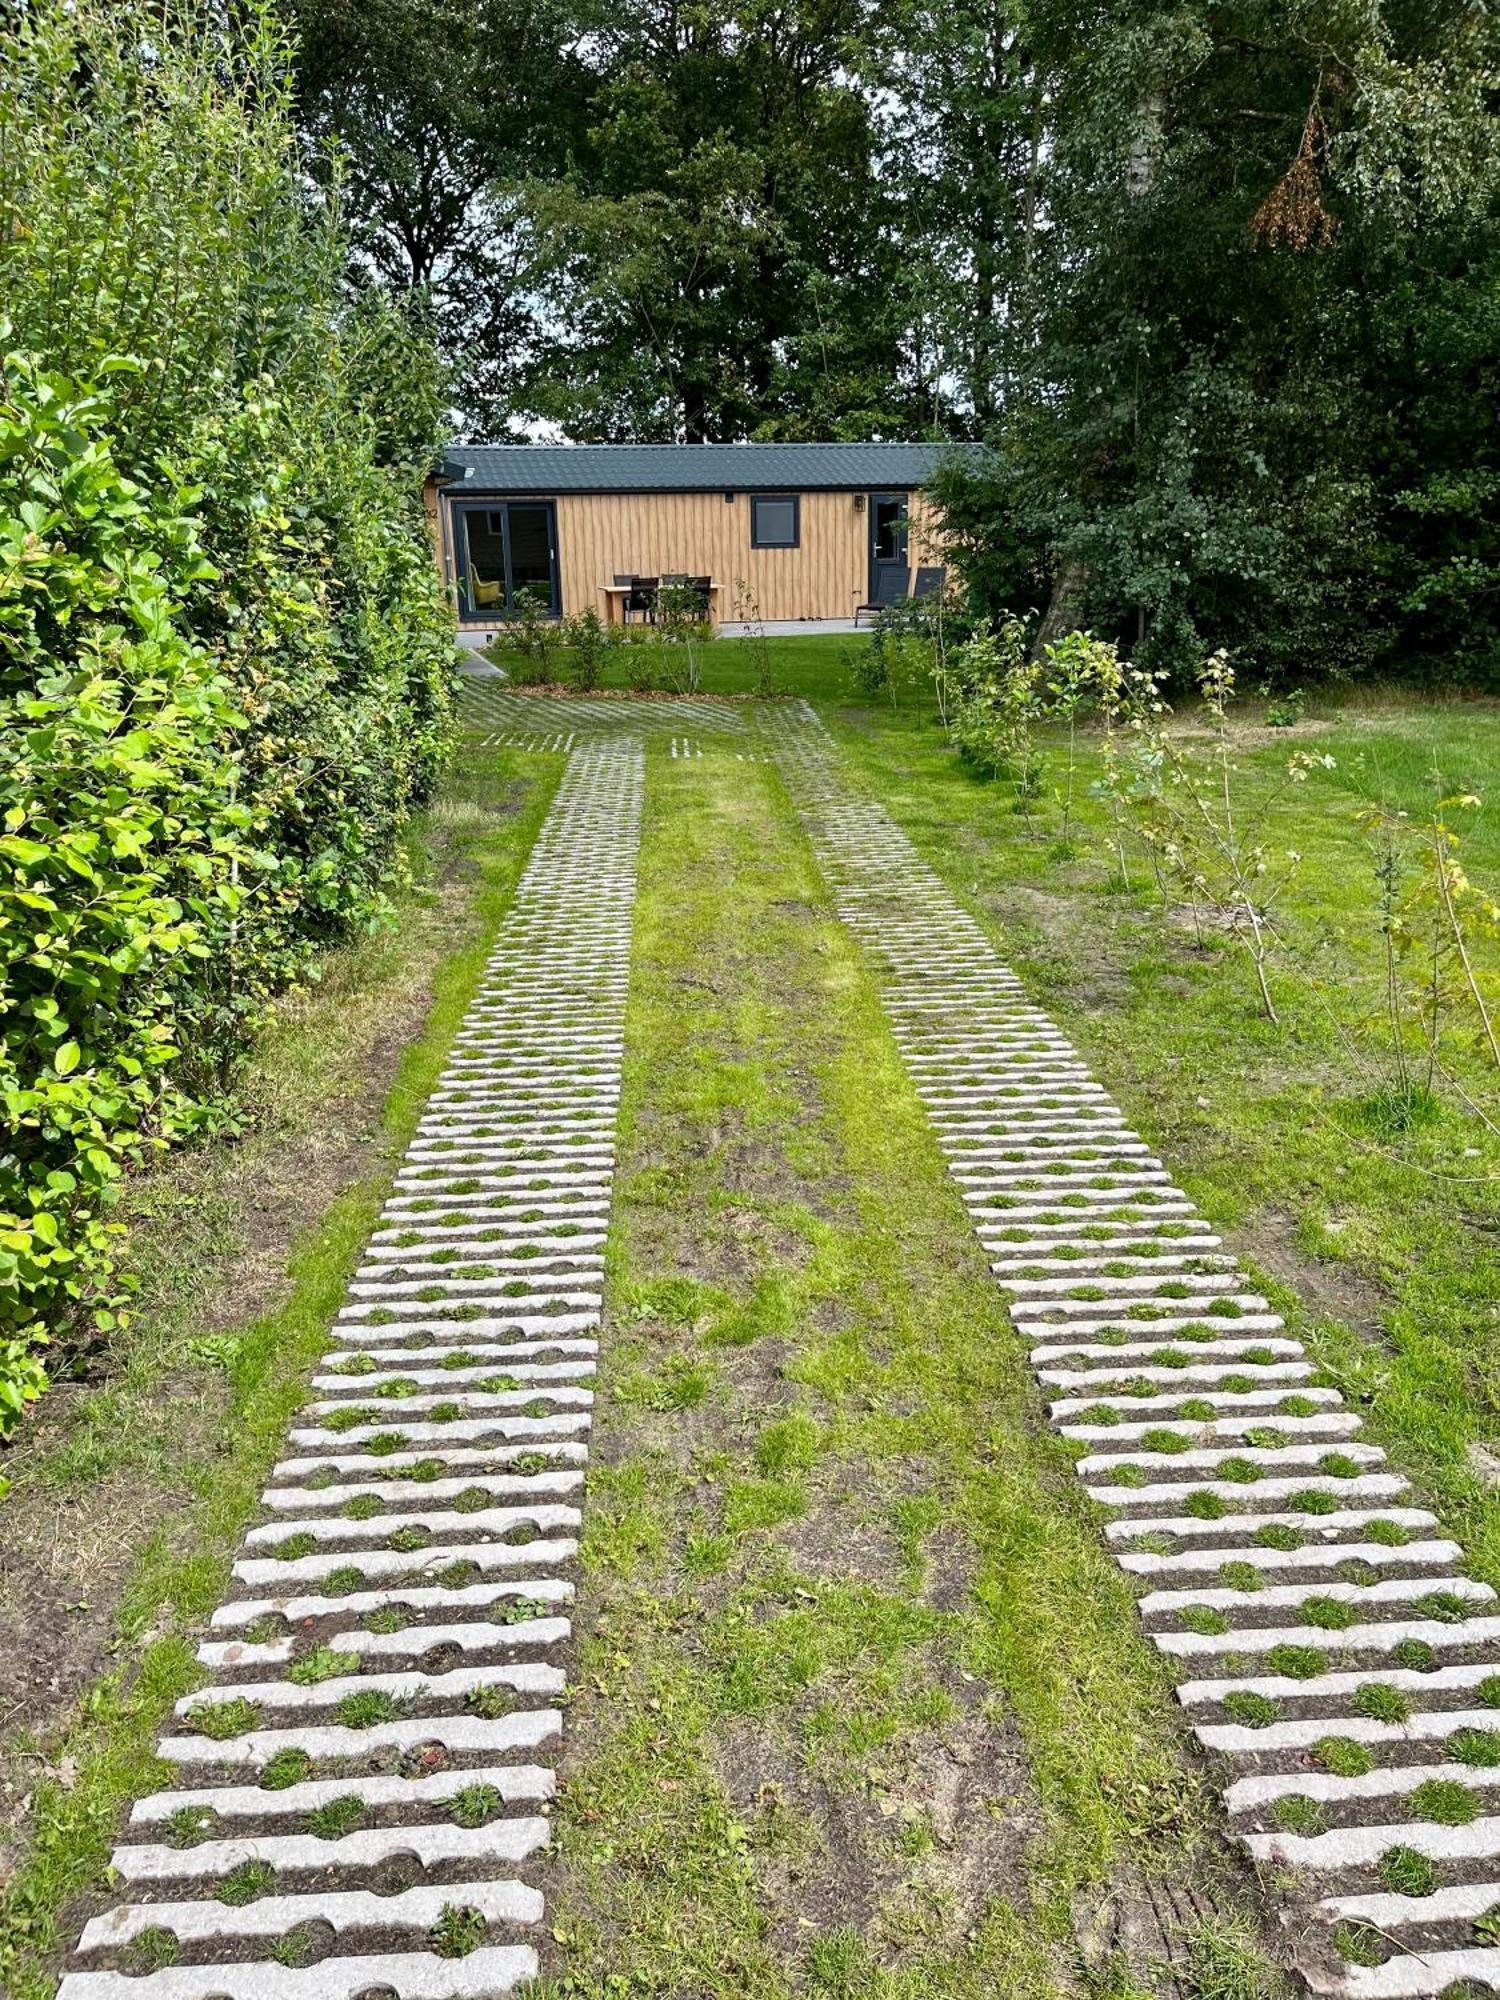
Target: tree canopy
(1217, 280)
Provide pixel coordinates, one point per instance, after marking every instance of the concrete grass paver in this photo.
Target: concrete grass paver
(367, 1777)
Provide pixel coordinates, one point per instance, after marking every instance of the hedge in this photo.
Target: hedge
(225, 663)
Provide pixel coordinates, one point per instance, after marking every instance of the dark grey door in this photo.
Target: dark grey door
(890, 574)
(502, 549)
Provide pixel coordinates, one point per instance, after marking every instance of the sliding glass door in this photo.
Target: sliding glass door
(505, 550)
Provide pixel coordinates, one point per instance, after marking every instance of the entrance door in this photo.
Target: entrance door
(504, 548)
(890, 577)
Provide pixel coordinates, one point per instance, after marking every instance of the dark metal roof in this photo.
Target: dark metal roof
(690, 468)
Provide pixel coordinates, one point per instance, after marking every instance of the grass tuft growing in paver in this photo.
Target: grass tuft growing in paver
(476, 1804)
(336, 1817)
(246, 1884)
(1342, 1756)
(1405, 1872)
(152, 1950)
(224, 1719)
(1299, 1814)
(458, 1931)
(1444, 1801)
(1382, 1703)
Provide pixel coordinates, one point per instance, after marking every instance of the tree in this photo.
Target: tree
(724, 259)
(429, 112)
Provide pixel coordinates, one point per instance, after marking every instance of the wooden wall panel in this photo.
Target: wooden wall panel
(604, 535)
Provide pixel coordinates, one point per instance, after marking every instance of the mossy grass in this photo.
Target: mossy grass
(768, 1566)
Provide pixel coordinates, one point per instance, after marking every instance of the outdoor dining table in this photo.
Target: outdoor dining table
(615, 595)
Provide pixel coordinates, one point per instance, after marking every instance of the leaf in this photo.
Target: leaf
(65, 1061)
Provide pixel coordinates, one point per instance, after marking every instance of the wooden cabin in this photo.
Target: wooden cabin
(801, 534)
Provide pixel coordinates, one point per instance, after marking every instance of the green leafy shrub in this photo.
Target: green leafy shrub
(225, 663)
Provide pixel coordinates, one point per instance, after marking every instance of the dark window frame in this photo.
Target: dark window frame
(794, 501)
(495, 507)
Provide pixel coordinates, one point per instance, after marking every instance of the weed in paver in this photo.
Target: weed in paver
(516, 1610)
(1416, 1655)
(1278, 1535)
(1479, 1747)
(363, 1507)
(1204, 1620)
(322, 1664)
(1445, 1801)
(490, 1701)
(1488, 1691)
(1300, 1815)
(335, 1818)
(189, 1825)
(1405, 1872)
(1380, 1702)
(1241, 1576)
(387, 1618)
(1445, 1605)
(1313, 1500)
(286, 1767)
(425, 1471)
(473, 1500)
(458, 1931)
(247, 1883)
(1361, 1944)
(408, 1539)
(223, 1719)
(1254, 1711)
(343, 1581)
(1329, 1614)
(1339, 1465)
(1390, 1534)
(294, 1546)
(1238, 1471)
(384, 1443)
(457, 1575)
(1342, 1756)
(298, 1948)
(367, 1707)
(476, 1804)
(1206, 1506)
(152, 1950)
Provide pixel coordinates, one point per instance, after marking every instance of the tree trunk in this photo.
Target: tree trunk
(1071, 582)
(1065, 608)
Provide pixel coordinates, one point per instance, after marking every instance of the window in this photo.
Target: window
(774, 521)
(504, 554)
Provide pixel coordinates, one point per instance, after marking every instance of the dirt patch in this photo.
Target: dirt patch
(1334, 1290)
(946, 1829)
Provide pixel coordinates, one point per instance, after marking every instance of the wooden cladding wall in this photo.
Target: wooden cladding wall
(604, 535)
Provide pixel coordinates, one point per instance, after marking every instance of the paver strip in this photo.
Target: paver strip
(1284, 1571)
(396, 1620)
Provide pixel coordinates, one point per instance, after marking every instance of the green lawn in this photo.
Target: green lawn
(819, 666)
